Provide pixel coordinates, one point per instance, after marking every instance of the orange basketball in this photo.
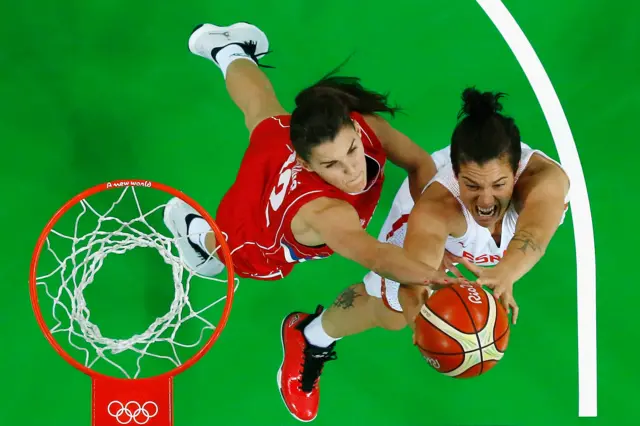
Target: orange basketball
(462, 330)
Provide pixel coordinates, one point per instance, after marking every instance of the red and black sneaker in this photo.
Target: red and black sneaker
(299, 374)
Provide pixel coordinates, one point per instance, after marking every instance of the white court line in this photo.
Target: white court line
(582, 223)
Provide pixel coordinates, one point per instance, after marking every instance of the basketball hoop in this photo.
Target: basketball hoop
(131, 399)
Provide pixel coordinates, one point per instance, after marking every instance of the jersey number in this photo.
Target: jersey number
(277, 195)
(279, 191)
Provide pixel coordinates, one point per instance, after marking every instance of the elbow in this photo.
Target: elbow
(423, 165)
(428, 163)
(426, 169)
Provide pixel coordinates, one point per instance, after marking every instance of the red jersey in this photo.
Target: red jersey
(256, 213)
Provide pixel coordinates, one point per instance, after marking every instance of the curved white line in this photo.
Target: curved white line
(582, 222)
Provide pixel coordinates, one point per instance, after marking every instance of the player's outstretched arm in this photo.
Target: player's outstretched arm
(337, 222)
(430, 223)
(540, 199)
(403, 152)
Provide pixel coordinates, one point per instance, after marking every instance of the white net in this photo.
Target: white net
(73, 273)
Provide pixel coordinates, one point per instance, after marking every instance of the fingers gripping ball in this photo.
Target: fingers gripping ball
(462, 330)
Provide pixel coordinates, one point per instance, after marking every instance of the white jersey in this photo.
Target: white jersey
(477, 243)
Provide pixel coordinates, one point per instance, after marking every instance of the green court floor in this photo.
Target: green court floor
(96, 91)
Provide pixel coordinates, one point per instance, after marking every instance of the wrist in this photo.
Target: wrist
(509, 272)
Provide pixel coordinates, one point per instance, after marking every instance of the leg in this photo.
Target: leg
(309, 340)
(306, 343)
(355, 311)
(252, 92)
(362, 307)
(235, 49)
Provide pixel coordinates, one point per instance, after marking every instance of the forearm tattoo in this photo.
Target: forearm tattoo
(526, 241)
(346, 298)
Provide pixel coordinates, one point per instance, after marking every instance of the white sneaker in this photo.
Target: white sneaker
(177, 217)
(207, 40)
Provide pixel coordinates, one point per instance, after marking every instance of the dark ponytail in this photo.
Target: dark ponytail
(324, 108)
(484, 134)
(480, 106)
(349, 92)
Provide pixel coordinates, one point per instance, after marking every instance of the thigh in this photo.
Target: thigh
(261, 112)
(252, 92)
(387, 317)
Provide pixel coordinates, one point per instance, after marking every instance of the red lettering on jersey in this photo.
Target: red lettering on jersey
(483, 258)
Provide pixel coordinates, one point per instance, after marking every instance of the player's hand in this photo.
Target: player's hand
(441, 279)
(450, 260)
(418, 297)
(438, 278)
(502, 287)
(449, 264)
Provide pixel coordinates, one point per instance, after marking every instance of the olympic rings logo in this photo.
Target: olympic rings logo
(132, 411)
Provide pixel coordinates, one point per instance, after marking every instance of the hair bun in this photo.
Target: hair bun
(480, 105)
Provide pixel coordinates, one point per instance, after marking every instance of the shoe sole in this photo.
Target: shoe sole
(210, 27)
(279, 375)
(168, 222)
(173, 228)
(171, 225)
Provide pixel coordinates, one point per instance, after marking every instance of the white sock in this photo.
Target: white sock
(229, 54)
(315, 334)
(198, 229)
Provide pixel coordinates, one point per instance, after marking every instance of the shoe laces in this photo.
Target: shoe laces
(250, 49)
(314, 359)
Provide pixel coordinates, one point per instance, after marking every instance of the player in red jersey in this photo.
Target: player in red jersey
(309, 182)
(307, 187)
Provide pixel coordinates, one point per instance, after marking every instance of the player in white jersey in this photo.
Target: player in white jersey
(468, 242)
(493, 201)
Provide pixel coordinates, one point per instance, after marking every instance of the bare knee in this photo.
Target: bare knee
(387, 318)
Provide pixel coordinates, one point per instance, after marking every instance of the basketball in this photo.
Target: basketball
(462, 330)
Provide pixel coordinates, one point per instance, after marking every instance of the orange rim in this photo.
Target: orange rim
(122, 183)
